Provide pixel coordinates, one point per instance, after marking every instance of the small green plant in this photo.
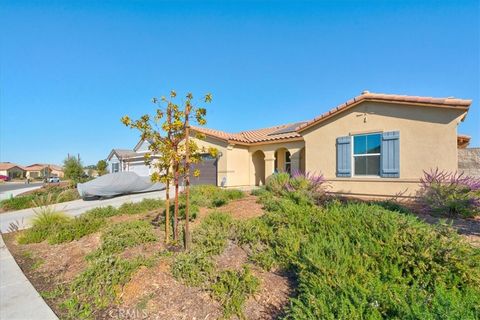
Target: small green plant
(194, 268)
(278, 183)
(213, 233)
(143, 302)
(102, 212)
(124, 235)
(144, 206)
(17, 203)
(44, 224)
(58, 292)
(96, 287)
(232, 289)
(75, 229)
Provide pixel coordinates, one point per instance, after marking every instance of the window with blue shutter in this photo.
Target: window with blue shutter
(390, 158)
(344, 157)
(366, 154)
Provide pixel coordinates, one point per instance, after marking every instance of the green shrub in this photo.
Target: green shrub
(97, 287)
(56, 194)
(211, 237)
(449, 194)
(358, 260)
(194, 268)
(17, 203)
(232, 289)
(211, 196)
(44, 224)
(124, 235)
(75, 229)
(278, 183)
(258, 192)
(144, 206)
(102, 212)
(393, 206)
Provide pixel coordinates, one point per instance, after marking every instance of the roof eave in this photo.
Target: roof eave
(356, 101)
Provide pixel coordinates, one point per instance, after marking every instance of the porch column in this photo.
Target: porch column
(269, 163)
(294, 159)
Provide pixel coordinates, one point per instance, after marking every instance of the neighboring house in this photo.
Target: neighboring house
(11, 170)
(42, 170)
(130, 160)
(91, 172)
(374, 145)
(469, 161)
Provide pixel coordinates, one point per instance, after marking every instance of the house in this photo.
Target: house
(130, 160)
(42, 170)
(11, 170)
(374, 145)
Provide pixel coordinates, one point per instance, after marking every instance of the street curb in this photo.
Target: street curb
(18, 298)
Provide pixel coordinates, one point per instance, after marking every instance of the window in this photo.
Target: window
(115, 167)
(366, 154)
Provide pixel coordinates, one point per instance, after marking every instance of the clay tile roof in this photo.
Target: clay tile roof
(280, 132)
(41, 166)
(8, 165)
(463, 141)
(449, 102)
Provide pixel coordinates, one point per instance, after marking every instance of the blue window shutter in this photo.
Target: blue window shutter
(390, 155)
(344, 157)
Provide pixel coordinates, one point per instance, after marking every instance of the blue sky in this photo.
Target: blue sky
(69, 70)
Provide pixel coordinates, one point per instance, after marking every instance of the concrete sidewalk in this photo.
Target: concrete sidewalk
(21, 218)
(18, 298)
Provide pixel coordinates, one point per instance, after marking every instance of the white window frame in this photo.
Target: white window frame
(366, 155)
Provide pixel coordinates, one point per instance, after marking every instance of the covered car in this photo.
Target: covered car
(118, 183)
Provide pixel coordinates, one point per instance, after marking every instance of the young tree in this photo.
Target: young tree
(73, 169)
(174, 151)
(102, 167)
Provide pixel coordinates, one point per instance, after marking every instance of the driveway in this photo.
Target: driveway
(21, 218)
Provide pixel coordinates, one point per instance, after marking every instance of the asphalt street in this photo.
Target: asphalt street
(10, 186)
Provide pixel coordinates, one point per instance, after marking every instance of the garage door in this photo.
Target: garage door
(139, 168)
(208, 171)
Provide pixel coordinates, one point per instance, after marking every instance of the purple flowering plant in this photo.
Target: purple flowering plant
(449, 194)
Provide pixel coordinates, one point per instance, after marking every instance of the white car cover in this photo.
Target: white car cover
(117, 183)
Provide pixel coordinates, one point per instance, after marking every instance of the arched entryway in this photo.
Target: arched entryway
(258, 159)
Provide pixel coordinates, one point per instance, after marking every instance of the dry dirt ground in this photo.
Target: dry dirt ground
(153, 293)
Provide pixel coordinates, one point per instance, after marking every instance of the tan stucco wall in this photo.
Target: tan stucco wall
(428, 139)
(238, 168)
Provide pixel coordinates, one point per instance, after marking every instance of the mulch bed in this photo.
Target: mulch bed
(153, 293)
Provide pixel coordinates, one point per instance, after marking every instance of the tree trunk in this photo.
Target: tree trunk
(167, 212)
(175, 214)
(187, 180)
